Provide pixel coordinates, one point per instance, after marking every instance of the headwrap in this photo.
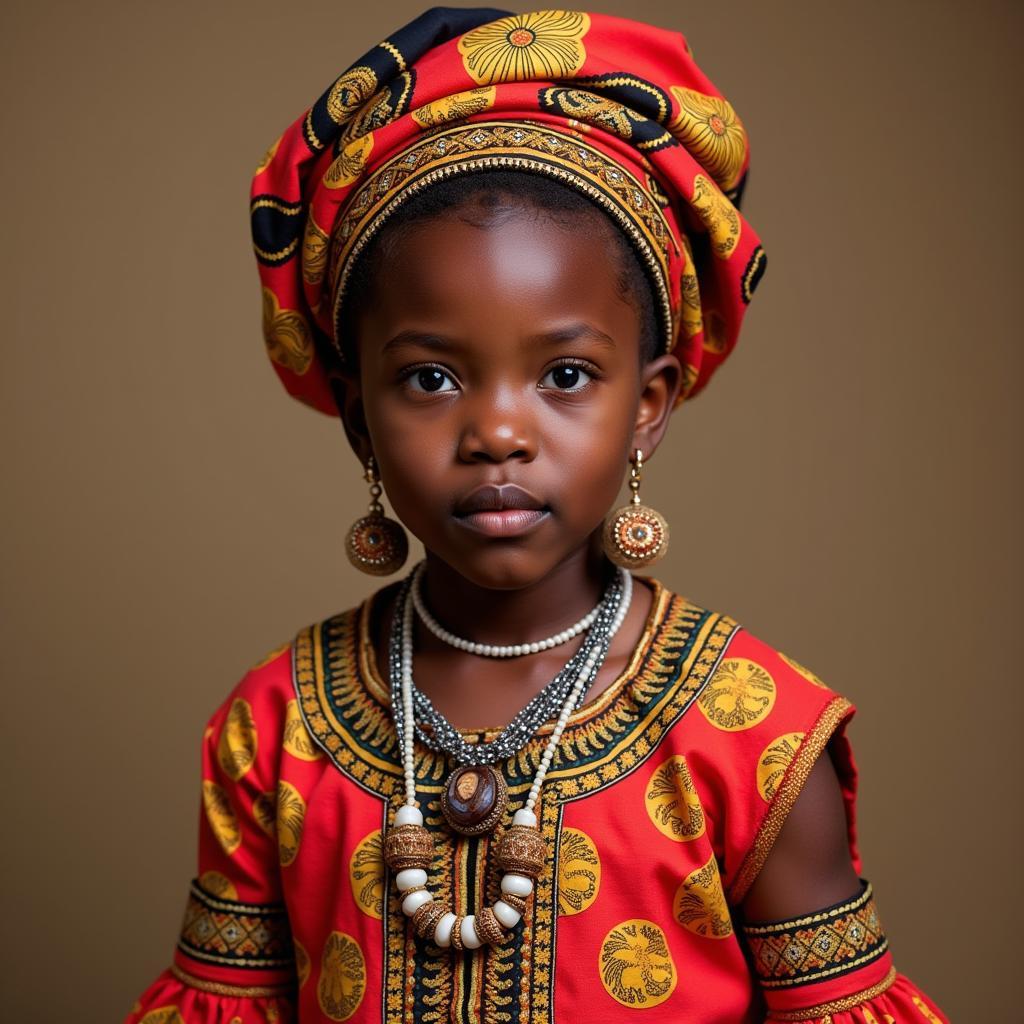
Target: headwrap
(613, 107)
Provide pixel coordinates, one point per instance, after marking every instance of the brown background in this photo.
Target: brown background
(849, 487)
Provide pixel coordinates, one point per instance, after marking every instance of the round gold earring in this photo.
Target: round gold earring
(635, 535)
(376, 544)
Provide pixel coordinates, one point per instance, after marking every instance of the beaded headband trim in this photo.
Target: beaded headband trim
(509, 145)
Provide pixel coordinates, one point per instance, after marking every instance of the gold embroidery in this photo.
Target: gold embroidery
(381, 110)
(315, 246)
(366, 874)
(455, 108)
(342, 981)
(636, 966)
(785, 796)
(773, 762)
(287, 335)
(221, 817)
(805, 672)
(349, 93)
(297, 740)
(291, 813)
(579, 871)
(542, 44)
(349, 163)
(218, 885)
(699, 903)
(836, 1005)
(709, 128)
(220, 989)
(672, 802)
(740, 695)
(236, 751)
(718, 214)
(692, 316)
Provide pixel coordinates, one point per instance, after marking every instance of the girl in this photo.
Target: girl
(521, 784)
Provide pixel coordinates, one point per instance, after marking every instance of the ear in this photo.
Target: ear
(348, 397)
(660, 381)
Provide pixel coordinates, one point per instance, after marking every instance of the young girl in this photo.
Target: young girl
(520, 784)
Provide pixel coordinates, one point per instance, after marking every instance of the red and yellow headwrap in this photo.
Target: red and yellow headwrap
(613, 107)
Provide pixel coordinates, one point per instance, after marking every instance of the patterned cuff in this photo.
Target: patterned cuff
(225, 934)
(818, 947)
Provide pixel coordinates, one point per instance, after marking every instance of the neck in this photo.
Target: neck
(532, 612)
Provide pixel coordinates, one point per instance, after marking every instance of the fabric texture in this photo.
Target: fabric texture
(664, 799)
(615, 108)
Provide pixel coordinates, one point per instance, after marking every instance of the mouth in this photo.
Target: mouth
(501, 511)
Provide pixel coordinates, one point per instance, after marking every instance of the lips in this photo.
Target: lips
(500, 511)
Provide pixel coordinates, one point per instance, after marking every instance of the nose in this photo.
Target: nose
(498, 426)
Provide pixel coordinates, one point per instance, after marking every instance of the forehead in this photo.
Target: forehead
(520, 268)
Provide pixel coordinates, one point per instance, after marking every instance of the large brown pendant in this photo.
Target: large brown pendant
(474, 798)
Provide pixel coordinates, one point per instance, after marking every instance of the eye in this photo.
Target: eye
(430, 379)
(567, 377)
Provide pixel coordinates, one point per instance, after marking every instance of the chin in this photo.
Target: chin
(501, 566)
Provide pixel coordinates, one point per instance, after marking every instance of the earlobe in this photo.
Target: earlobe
(349, 400)
(660, 381)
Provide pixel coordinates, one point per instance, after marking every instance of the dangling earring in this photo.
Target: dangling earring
(635, 535)
(376, 544)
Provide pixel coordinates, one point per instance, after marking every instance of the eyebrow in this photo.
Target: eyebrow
(570, 332)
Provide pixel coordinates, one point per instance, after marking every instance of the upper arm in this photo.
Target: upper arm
(809, 865)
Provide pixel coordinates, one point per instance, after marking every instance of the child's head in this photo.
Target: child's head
(503, 332)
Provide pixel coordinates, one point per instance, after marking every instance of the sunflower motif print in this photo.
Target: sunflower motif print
(700, 905)
(712, 132)
(541, 44)
(740, 694)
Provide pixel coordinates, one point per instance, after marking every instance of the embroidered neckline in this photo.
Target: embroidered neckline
(345, 706)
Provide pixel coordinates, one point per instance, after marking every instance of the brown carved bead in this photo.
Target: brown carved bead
(426, 917)
(473, 799)
(408, 846)
(489, 928)
(522, 851)
(517, 903)
(457, 934)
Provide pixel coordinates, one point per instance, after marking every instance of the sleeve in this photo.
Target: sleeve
(234, 962)
(834, 967)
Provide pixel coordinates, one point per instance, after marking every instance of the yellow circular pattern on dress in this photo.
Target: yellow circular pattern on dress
(579, 871)
(366, 873)
(297, 740)
(805, 672)
(218, 885)
(221, 817)
(672, 802)
(287, 336)
(264, 812)
(302, 964)
(455, 108)
(236, 750)
(291, 815)
(163, 1015)
(740, 694)
(699, 904)
(636, 966)
(350, 162)
(342, 981)
(542, 44)
(773, 762)
(718, 214)
(709, 128)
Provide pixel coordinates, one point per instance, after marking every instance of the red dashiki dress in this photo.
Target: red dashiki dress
(660, 808)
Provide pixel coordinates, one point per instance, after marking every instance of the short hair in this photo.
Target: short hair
(496, 195)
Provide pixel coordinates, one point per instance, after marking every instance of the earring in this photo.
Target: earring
(376, 544)
(635, 535)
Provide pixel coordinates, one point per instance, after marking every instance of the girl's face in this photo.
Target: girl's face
(501, 392)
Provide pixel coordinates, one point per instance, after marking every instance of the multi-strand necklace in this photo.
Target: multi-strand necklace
(477, 789)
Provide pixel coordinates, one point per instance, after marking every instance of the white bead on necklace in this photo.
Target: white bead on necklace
(493, 650)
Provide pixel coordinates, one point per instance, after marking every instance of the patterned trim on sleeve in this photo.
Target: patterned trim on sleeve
(835, 1005)
(239, 991)
(819, 946)
(226, 933)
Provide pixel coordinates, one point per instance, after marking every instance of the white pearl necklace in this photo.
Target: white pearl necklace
(411, 882)
(495, 650)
